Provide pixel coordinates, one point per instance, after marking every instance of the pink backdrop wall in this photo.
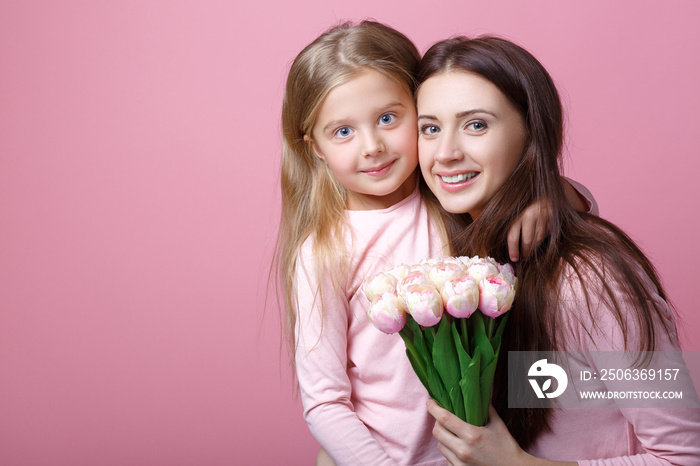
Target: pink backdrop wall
(139, 155)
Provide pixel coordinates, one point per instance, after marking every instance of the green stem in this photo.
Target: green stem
(465, 335)
(406, 332)
(433, 331)
(489, 327)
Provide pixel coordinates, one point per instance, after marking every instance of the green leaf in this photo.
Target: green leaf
(501, 325)
(429, 333)
(422, 374)
(407, 331)
(462, 354)
(464, 333)
(415, 359)
(481, 341)
(413, 325)
(422, 348)
(436, 388)
(445, 356)
(479, 329)
(486, 385)
(457, 399)
(471, 392)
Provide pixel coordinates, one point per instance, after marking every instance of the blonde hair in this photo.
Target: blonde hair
(313, 201)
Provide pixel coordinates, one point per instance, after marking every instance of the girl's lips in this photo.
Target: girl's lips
(379, 170)
(454, 187)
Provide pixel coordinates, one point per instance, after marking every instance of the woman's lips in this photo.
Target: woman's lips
(456, 181)
(379, 170)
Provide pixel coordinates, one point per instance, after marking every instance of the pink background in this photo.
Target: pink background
(139, 163)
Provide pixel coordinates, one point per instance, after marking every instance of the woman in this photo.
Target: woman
(490, 137)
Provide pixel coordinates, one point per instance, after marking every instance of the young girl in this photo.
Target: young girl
(489, 111)
(351, 207)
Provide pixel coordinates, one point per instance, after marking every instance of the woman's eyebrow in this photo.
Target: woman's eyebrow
(460, 114)
(472, 112)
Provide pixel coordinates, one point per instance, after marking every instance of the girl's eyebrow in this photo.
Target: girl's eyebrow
(332, 124)
(393, 104)
(460, 114)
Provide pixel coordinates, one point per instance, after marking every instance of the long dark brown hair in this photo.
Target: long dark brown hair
(595, 249)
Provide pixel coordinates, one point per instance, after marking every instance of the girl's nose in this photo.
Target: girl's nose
(372, 145)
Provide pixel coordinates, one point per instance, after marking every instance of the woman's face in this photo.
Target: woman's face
(470, 139)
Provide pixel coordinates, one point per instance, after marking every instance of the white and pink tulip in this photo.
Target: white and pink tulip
(424, 303)
(461, 296)
(387, 313)
(495, 296)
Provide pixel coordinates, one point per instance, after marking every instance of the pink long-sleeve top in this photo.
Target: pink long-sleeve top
(613, 436)
(362, 400)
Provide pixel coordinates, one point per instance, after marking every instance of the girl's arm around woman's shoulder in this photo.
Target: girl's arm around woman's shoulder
(533, 224)
(580, 196)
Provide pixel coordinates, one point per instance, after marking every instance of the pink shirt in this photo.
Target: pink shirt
(362, 400)
(626, 436)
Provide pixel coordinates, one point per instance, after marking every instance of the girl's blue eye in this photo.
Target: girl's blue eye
(387, 118)
(343, 132)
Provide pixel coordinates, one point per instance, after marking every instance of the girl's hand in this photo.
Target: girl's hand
(533, 224)
(324, 459)
(528, 231)
(577, 200)
(464, 444)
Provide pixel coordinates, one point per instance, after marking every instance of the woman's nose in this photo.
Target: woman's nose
(448, 150)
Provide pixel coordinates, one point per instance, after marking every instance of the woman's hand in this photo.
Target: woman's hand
(492, 445)
(464, 444)
(528, 231)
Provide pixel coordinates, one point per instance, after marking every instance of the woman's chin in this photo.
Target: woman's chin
(455, 206)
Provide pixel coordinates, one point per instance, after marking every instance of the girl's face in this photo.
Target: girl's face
(366, 132)
(471, 138)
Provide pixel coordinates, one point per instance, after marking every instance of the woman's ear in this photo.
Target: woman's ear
(318, 153)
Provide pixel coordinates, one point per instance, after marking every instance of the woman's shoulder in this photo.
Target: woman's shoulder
(584, 274)
(604, 306)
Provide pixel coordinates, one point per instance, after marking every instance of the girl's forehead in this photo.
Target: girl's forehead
(378, 75)
(370, 86)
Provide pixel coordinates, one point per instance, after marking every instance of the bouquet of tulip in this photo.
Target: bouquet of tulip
(451, 313)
